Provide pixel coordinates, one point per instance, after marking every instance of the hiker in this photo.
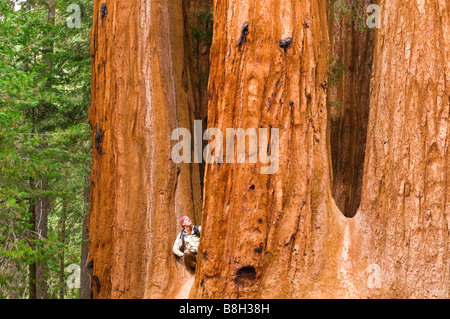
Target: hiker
(186, 244)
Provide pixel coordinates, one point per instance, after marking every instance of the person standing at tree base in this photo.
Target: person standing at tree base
(186, 244)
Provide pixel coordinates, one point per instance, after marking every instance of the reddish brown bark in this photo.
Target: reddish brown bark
(282, 235)
(403, 223)
(141, 90)
(269, 235)
(279, 235)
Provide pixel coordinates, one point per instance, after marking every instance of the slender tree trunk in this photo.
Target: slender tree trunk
(62, 240)
(32, 267)
(142, 89)
(42, 205)
(32, 204)
(41, 229)
(38, 209)
(85, 280)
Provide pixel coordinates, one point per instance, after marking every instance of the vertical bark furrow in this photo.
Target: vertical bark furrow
(256, 221)
(404, 189)
(143, 91)
(348, 101)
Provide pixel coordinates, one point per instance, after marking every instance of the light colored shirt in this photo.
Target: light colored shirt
(191, 242)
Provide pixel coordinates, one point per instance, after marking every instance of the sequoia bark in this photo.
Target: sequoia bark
(282, 235)
(142, 89)
(270, 235)
(402, 228)
(279, 235)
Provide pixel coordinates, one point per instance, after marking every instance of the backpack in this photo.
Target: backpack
(195, 230)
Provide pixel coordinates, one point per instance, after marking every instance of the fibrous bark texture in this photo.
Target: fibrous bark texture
(270, 235)
(142, 89)
(403, 223)
(282, 235)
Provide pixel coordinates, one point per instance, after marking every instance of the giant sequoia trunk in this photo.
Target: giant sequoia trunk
(141, 91)
(270, 235)
(403, 223)
(282, 234)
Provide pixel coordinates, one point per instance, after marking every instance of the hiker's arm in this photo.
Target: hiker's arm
(177, 246)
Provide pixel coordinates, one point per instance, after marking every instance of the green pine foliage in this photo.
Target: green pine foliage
(351, 12)
(44, 136)
(201, 25)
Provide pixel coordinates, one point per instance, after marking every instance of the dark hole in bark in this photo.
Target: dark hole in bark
(246, 272)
